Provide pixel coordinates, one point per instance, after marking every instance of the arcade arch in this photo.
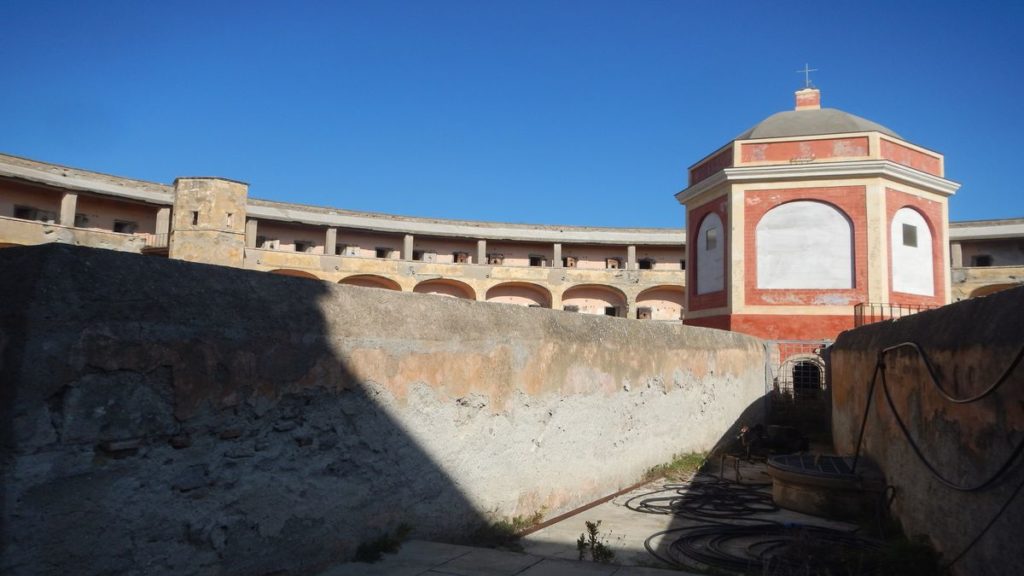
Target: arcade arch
(661, 303)
(520, 293)
(371, 281)
(446, 287)
(595, 299)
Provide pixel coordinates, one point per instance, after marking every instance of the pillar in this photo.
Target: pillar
(631, 258)
(481, 251)
(407, 243)
(68, 206)
(956, 254)
(556, 256)
(631, 305)
(163, 221)
(250, 233)
(331, 242)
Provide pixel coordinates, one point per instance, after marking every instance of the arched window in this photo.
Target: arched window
(710, 251)
(804, 244)
(911, 251)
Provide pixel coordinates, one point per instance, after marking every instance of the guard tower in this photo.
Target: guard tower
(208, 222)
(806, 215)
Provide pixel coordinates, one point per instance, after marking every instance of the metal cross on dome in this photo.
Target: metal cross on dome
(807, 74)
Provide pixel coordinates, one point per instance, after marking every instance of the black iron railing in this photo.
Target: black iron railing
(870, 312)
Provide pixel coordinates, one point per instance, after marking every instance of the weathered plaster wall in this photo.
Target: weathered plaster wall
(164, 417)
(970, 344)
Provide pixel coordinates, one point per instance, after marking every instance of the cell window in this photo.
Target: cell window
(611, 311)
(496, 259)
(711, 239)
(81, 220)
(382, 252)
(682, 264)
(339, 249)
(417, 254)
(536, 261)
(125, 226)
(981, 260)
(195, 217)
(303, 246)
(569, 261)
(910, 235)
(228, 219)
(646, 264)
(460, 257)
(643, 313)
(25, 212)
(571, 308)
(612, 263)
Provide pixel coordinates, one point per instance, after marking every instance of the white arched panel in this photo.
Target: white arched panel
(911, 251)
(710, 252)
(806, 245)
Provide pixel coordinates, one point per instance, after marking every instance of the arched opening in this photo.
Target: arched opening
(8, 245)
(991, 289)
(661, 303)
(911, 252)
(294, 273)
(710, 251)
(370, 281)
(446, 287)
(804, 244)
(807, 380)
(594, 299)
(520, 293)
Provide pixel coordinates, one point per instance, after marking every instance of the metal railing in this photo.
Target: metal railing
(871, 312)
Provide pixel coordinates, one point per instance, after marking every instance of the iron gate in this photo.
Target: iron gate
(799, 393)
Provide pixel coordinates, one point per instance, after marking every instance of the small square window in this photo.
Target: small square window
(611, 311)
(417, 254)
(571, 308)
(646, 264)
(910, 235)
(711, 239)
(460, 257)
(612, 263)
(339, 249)
(496, 259)
(569, 261)
(81, 220)
(643, 313)
(303, 246)
(382, 252)
(536, 261)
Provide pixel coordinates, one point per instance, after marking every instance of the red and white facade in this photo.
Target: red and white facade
(787, 234)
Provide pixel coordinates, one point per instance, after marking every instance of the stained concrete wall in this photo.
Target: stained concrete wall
(166, 417)
(970, 344)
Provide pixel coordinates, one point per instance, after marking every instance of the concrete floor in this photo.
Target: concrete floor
(552, 550)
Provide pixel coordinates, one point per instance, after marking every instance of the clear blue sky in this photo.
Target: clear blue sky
(576, 112)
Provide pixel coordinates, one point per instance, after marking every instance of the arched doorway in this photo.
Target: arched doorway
(446, 287)
(594, 299)
(371, 281)
(520, 293)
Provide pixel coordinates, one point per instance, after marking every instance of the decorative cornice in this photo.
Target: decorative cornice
(823, 170)
(88, 182)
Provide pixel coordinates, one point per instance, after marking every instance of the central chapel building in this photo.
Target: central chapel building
(807, 219)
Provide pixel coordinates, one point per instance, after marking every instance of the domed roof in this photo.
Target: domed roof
(812, 123)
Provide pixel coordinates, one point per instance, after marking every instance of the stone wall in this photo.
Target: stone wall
(970, 344)
(166, 417)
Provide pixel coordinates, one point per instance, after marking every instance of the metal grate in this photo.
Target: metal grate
(799, 394)
(871, 312)
(821, 465)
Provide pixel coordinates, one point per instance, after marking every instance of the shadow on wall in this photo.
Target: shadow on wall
(175, 418)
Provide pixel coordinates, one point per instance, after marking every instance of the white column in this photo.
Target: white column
(481, 252)
(68, 206)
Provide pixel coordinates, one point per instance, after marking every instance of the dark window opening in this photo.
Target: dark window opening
(612, 263)
(417, 254)
(536, 260)
(30, 213)
(682, 264)
(125, 227)
(981, 260)
(571, 308)
(910, 235)
(81, 220)
(228, 220)
(339, 249)
(195, 217)
(806, 380)
(569, 262)
(611, 311)
(460, 257)
(643, 313)
(303, 246)
(267, 243)
(382, 252)
(496, 259)
(646, 264)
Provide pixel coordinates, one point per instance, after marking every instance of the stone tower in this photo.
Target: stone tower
(807, 214)
(208, 222)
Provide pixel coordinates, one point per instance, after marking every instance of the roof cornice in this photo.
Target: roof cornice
(82, 181)
(823, 170)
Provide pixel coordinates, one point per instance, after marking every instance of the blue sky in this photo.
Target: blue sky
(574, 112)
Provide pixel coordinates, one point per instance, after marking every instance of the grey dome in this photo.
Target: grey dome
(812, 123)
